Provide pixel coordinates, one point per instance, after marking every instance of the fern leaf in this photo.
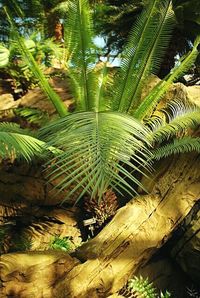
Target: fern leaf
(15, 143)
(32, 115)
(83, 57)
(155, 55)
(160, 89)
(94, 147)
(180, 118)
(186, 144)
(138, 59)
(141, 287)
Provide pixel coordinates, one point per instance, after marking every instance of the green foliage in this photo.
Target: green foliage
(147, 42)
(177, 118)
(186, 144)
(92, 145)
(15, 64)
(4, 56)
(96, 145)
(32, 115)
(155, 95)
(114, 19)
(17, 142)
(140, 287)
(59, 243)
(80, 45)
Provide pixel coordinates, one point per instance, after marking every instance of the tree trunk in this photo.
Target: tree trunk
(136, 232)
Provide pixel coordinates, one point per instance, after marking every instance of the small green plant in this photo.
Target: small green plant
(138, 287)
(61, 243)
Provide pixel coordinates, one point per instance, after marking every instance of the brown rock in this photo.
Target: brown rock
(194, 94)
(33, 274)
(7, 102)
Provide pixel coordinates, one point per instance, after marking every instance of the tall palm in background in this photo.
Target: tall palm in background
(113, 132)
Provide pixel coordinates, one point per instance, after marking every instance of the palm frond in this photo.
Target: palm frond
(155, 56)
(34, 67)
(4, 56)
(97, 147)
(180, 117)
(32, 115)
(149, 37)
(149, 103)
(79, 43)
(186, 144)
(104, 84)
(18, 143)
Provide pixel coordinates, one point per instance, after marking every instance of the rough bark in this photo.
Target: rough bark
(136, 232)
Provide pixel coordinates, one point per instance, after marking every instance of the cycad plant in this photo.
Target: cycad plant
(113, 132)
(141, 287)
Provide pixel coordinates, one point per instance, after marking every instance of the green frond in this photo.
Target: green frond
(15, 143)
(148, 39)
(97, 147)
(180, 117)
(149, 103)
(186, 144)
(104, 82)
(4, 56)
(154, 59)
(32, 115)
(79, 43)
(141, 287)
(34, 67)
(14, 128)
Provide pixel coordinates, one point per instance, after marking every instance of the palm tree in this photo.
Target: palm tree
(113, 133)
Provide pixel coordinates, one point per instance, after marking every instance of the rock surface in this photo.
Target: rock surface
(33, 274)
(36, 98)
(122, 247)
(28, 184)
(37, 228)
